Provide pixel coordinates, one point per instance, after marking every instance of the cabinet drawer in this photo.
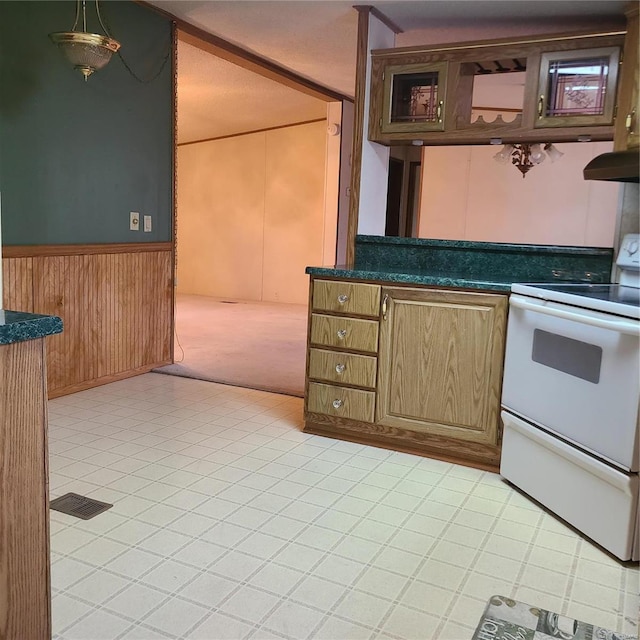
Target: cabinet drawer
(345, 333)
(343, 368)
(346, 297)
(338, 401)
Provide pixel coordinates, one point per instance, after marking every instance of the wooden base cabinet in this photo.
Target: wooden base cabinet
(25, 595)
(440, 363)
(342, 352)
(438, 370)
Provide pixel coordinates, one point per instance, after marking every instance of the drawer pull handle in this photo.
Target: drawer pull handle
(384, 306)
(341, 333)
(342, 298)
(337, 404)
(540, 106)
(340, 368)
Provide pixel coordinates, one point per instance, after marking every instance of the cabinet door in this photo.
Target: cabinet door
(627, 134)
(577, 87)
(413, 98)
(440, 362)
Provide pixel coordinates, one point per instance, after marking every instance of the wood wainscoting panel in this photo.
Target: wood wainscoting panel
(116, 308)
(17, 284)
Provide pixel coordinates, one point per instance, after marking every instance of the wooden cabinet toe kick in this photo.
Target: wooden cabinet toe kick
(480, 456)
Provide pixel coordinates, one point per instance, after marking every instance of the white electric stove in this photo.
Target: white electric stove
(622, 298)
(571, 399)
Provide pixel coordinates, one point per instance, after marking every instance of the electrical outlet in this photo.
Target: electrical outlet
(134, 221)
(147, 223)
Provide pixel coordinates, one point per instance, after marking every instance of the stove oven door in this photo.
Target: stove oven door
(575, 373)
(597, 499)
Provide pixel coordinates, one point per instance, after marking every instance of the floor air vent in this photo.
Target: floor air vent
(79, 506)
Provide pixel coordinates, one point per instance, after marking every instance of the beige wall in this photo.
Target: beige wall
(251, 214)
(466, 195)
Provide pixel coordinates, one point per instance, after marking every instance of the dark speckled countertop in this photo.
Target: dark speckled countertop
(489, 266)
(16, 326)
(412, 276)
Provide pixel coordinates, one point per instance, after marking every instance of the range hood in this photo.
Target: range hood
(617, 166)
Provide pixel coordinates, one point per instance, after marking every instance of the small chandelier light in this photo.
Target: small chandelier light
(87, 52)
(525, 156)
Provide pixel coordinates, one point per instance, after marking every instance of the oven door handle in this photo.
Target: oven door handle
(619, 325)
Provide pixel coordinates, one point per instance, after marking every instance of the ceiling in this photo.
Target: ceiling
(217, 98)
(316, 39)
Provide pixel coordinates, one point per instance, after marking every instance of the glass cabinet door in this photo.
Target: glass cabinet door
(414, 98)
(577, 87)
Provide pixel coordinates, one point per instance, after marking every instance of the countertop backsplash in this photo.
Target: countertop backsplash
(474, 265)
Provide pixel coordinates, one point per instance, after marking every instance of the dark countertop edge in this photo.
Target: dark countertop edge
(406, 278)
(485, 246)
(19, 326)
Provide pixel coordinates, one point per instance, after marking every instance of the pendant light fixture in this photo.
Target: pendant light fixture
(525, 156)
(87, 52)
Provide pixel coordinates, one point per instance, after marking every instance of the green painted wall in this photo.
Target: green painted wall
(76, 157)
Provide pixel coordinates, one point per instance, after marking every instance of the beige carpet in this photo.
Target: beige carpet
(259, 345)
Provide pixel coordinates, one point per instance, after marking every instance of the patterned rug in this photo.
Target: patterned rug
(506, 619)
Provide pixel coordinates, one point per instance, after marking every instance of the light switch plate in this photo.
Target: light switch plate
(147, 223)
(134, 221)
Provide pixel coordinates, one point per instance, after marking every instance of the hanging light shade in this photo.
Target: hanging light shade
(87, 52)
(503, 156)
(525, 156)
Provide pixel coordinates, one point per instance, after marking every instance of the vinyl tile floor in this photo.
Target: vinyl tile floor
(229, 522)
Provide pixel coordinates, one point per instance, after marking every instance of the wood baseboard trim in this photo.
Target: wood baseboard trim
(34, 251)
(98, 382)
(476, 456)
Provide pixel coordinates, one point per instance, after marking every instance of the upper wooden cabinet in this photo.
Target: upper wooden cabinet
(416, 98)
(541, 89)
(627, 134)
(577, 88)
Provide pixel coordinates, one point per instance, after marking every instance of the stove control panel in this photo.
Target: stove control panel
(629, 254)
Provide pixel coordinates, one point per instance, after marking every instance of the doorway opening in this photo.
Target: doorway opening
(394, 197)
(403, 192)
(257, 202)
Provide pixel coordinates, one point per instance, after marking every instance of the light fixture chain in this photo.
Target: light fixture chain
(84, 15)
(100, 18)
(75, 24)
(134, 75)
